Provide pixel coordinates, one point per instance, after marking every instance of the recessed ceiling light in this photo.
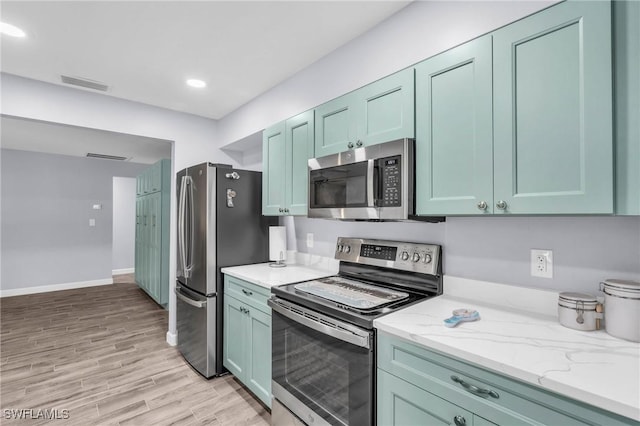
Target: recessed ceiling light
(194, 82)
(11, 30)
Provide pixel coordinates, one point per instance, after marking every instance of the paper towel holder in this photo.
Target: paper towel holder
(277, 246)
(278, 263)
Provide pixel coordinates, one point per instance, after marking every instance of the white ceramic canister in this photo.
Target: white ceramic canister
(622, 308)
(578, 311)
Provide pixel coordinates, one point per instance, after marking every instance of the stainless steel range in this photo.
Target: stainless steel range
(322, 330)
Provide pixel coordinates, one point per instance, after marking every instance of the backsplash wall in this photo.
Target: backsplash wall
(586, 250)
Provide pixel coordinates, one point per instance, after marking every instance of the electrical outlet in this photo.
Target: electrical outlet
(309, 239)
(541, 263)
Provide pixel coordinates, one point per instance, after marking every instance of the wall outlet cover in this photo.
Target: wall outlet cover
(309, 239)
(541, 263)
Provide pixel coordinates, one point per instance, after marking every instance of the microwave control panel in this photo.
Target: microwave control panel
(391, 191)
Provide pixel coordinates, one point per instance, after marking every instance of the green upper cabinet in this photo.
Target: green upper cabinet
(286, 148)
(336, 129)
(273, 174)
(299, 148)
(626, 19)
(553, 143)
(454, 131)
(379, 112)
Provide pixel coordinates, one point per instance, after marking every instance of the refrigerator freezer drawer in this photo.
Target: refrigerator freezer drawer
(196, 318)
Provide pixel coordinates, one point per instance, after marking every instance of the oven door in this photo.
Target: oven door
(323, 369)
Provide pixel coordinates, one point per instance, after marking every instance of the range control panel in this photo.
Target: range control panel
(416, 257)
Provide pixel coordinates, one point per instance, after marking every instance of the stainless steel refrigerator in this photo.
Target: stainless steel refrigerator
(219, 224)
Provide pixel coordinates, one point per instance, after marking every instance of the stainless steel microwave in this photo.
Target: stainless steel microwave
(370, 183)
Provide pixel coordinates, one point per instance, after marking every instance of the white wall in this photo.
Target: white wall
(194, 137)
(586, 249)
(124, 224)
(47, 203)
(421, 30)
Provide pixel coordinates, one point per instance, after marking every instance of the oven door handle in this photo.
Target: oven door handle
(346, 332)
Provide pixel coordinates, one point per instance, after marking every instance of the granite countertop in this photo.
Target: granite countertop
(306, 268)
(530, 345)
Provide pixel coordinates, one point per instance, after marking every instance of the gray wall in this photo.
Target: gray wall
(46, 206)
(124, 222)
(586, 250)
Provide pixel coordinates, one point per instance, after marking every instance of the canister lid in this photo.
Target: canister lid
(622, 288)
(578, 297)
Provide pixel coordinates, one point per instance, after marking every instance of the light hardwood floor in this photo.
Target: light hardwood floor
(101, 354)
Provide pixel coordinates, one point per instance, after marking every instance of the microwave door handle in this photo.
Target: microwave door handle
(371, 183)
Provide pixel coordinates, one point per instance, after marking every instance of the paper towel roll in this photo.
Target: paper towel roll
(277, 243)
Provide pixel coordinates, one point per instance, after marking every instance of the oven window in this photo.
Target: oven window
(332, 377)
(340, 186)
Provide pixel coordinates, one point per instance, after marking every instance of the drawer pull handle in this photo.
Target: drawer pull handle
(247, 292)
(474, 389)
(459, 421)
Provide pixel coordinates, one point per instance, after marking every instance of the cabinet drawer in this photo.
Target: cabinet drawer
(511, 401)
(248, 293)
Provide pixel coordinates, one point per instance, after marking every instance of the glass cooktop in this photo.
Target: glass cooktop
(351, 292)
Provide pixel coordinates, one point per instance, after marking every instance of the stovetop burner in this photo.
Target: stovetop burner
(351, 292)
(376, 277)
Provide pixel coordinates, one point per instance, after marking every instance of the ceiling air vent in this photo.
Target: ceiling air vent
(106, 156)
(84, 82)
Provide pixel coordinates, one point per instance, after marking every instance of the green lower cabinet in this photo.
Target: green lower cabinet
(235, 339)
(402, 404)
(419, 386)
(247, 337)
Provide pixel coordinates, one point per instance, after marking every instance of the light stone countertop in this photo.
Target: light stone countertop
(306, 268)
(519, 338)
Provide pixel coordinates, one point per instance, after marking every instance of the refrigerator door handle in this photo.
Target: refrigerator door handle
(181, 226)
(189, 206)
(188, 300)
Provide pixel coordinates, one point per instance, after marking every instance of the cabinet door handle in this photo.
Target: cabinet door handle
(482, 205)
(474, 389)
(459, 421)
(501, 205)
(350, 145)
(247, 292)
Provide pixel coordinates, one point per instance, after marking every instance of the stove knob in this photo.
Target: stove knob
(339, 248)
(346, 249)
(427, 258)
(404, 255)
(416, 257)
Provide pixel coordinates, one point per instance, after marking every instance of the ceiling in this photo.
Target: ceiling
(55, 138)
(145, 50)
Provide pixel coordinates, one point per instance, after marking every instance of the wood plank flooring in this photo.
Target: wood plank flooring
(100, 354)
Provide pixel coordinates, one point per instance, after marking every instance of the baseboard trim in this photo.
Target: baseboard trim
(54, 287)
(123, 271)
(172, 338)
